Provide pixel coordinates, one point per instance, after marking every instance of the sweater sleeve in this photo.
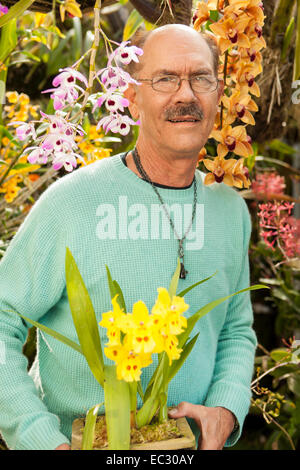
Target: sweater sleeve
(230, 387)
(31, 282)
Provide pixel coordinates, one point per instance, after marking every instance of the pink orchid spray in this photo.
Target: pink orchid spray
(268, 183)
(279, 228)
(114, 80)
(57, 144)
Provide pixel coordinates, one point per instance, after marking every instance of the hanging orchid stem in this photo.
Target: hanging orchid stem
(76, 65)
(224, 79)
(226, 3)
(53, 11)
(93, 51)
(12, 163)
(269, 371)
(275, 422)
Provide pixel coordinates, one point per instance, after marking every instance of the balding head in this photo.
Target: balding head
(149, 39)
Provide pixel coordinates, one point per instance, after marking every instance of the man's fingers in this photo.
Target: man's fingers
(185, 409)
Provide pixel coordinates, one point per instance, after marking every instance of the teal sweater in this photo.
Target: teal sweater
(106, 214)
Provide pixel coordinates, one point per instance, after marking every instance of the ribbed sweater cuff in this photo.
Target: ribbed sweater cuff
(233, 399)
(42, 435)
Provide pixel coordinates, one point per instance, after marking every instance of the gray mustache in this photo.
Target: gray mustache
(189, 110)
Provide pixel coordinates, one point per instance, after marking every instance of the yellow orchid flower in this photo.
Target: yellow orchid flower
(171, 343)
(70, 6)
(138, 329)
(239, 105)
(167, 319)
(232, 139)
(220, 170)
(109, 321)
(129, 364)
(164, 304)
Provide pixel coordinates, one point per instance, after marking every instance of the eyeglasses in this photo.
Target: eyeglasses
(172, 83)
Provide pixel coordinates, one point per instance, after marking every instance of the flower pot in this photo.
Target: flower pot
(185, 441)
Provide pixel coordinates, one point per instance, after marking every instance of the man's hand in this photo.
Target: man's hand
(63, 447)
(215, 424)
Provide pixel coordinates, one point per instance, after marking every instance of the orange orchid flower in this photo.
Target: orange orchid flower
(245, 78)
(201, 15)
(232, 139)
(251, 7)
(231, 32)
(220, 170)
(240, 175)
(202, 154)
(254, 32)
(239, 105)
(215, 4)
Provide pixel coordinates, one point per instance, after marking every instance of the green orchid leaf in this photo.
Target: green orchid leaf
(133, 22)
(115, 289)
(140, 391)
(117, 410)
(7, 134)
(174, 280)
(191, 321)
(84, 318)
(15, 11)
(120, 297)
(185, 291)
(158, 370)
(148, 410)
(89, 427)
(280, 354)
(176, 365)
(151, 401)
(296, 72)
(163, 409)
(49, 331)
(21, 166)
(287, 38)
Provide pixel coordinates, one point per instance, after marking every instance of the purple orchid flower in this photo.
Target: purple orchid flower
(113, 101)
(66, 160)
(116, 123)
(66, 91)
(125, 55)
(3, 10)
(25, 130)
(114, 77)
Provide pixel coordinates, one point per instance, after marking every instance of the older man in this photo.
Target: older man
(137, 213)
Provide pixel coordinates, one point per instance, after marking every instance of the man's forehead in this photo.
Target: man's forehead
(172, 49)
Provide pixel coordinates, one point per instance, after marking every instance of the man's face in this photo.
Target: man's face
(184, 54)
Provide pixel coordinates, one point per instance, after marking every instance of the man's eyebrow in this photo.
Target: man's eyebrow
(200, 71)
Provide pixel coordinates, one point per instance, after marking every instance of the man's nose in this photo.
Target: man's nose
(185, 91)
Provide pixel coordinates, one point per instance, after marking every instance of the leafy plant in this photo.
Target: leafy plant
(121, 395)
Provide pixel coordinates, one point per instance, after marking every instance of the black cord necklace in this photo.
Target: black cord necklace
(137, 161)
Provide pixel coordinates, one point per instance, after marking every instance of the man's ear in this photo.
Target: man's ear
(130, 95)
